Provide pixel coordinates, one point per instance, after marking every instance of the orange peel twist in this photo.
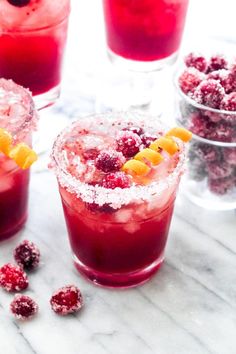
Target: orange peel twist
(21, 153)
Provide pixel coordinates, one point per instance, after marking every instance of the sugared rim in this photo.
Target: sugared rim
(31, 118)
(194, 103)
(113, 197)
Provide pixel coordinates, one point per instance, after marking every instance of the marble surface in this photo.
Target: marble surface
(189, 307)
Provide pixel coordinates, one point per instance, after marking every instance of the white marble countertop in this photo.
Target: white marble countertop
(189, 307)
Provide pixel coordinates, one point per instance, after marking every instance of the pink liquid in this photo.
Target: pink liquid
(14, 184)
(117, 234)
(32, 43)
(144, 30)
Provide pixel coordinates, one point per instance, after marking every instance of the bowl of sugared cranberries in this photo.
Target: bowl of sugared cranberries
(206, 105)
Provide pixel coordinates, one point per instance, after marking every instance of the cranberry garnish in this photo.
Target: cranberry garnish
(147, 139)
(67, 299)
(217, 62)
(210, 93)
(27, 255)
(116, 180)
(19, 3)
(230, 155)
(198, 124)
(90, 154)
(196, 61)
(128, 143)
(219, 170)
(225, 78)
(229, 102)
(220, 132)
(208, 153)
(189, 80)
(220, 186)
(109, 161)
(23, 307)
(13, 278)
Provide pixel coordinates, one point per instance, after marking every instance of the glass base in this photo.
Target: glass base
(141, 66)
(118, 280)
(13, 231)
(47, 99)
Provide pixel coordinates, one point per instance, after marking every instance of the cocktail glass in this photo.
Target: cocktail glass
(117, 234)
(32, 42)
(18, 117)
(144, 34)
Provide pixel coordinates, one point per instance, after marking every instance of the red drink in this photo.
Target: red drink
(117, 223)
(144, 30)
(32, 42)
(18, 117)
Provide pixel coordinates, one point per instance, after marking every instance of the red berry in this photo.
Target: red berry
(27, 255)
(210, 93)
(116, 180)
(229, 103)
(134, 129)
(196, 61)
(220, 186)
(109, 161)
(189, 80)
(222, 131)
(90, 154)
(13, 278)
(217, 62)
(198, 124)
(219, 170)
(23, 307)
(207, 152)
(225, 78)
(147, 139)
(128, 143)
(67, 299)
(229, 155)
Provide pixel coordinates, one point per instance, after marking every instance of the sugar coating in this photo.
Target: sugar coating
(23, 307)
(17, 111)
(13, 278)
(27, 255)
(66, 300)
(98, 194)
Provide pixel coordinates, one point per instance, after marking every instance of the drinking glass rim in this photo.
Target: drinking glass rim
(113, 197)
(30, 121)
(29, 29)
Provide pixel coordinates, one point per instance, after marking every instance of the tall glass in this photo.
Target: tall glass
(118, 232)
(18, 117)
(144, 35)
(32, 42)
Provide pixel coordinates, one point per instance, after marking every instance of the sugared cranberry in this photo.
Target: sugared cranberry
(135, 129)
(198, 124)
(208, 153)
(147, 139)
(217, 62)
(220, 186)
(189, 80)
(13, 278)
(116, 180)
(19, 3)
(66, 300)
(220, 132)
(229, 155)
(128, 143)
(109, 161)
(23, 307)
(229, 103)
(196, 61)
(210, 93)
(219, 170)
(225, 78)
(27, 255)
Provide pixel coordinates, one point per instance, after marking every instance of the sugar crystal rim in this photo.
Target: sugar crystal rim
(113, 197)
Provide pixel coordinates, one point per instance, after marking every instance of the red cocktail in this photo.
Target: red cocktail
(32, 41)
(118, 216)
(18, 117)
(144, 30)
